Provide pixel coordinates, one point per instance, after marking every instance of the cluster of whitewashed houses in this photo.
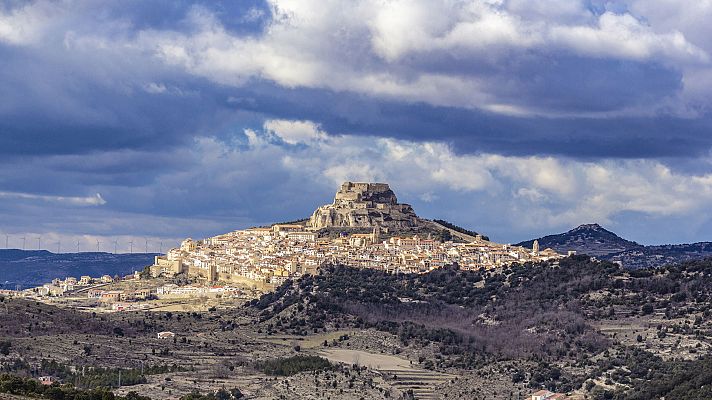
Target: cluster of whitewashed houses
(59, 287)
(273, 255)
(97, 289)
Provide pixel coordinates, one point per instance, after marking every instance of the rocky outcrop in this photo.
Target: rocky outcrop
(364, 205)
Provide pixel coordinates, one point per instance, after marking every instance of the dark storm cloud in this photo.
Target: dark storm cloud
(71, 109)
(144, 121)
(64, 96)
(561, 81)
(81, 99)
(475, 131)
(148, 103)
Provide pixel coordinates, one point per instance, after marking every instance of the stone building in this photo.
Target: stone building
(364, 205)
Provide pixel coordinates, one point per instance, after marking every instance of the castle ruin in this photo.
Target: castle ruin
(364, 205)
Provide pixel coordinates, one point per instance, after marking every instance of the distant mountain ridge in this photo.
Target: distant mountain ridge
(591, 239)
(35, 267)
(594, 240)
(655, 256)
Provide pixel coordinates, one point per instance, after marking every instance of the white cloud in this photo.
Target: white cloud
(536, 191)
(294, 132)
(253, 14)
(225, 185)
(155, 88)
(95, 200)
(517, 192)
(691, 19)
(25, 25)
(445, 53)
(623, 36)
(370, 47)
(401, 28)
(451, 53)
(379, 48)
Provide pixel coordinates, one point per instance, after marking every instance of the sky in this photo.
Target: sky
(150, 122)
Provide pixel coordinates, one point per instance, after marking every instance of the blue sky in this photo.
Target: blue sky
(162, 120)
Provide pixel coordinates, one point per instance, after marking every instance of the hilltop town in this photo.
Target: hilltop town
(382, 304)
(334, 235)
(365, 227)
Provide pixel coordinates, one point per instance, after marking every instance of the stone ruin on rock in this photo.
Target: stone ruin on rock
(365, 205)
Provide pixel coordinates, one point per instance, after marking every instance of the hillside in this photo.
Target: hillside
(565, 327)
(35, 267)
(656, 256)
(573, 325)
(594, 240)
(591, 239)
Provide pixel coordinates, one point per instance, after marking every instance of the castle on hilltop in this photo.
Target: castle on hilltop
(364, 205)
(272, 255)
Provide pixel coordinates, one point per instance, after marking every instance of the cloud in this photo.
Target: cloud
(403, 28)
(155, 88)
(95, 200)
(392, 50)
(513, 117)
(537, 191)
(24, 24)
(624, 36)
(294, 132)
(499, 77)
(213, 185)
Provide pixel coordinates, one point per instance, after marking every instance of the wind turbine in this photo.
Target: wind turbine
(146, 246)
(7, 241)
(78, 246)
(59, 246)
(39, 242)
(160, 248)
(116, 244)
(97, 245)
(23, 242)
(131, 246)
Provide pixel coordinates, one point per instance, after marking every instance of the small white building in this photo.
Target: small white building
(547, 395)
(47, 380)
(166, 335)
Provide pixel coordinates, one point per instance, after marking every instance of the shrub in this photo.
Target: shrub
(294, 365)
(5, 347)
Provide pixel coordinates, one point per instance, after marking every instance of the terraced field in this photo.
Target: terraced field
(398, 372)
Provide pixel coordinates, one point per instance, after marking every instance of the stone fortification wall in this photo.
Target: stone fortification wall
(362, 204)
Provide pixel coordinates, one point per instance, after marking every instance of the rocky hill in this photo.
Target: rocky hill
(594, 240)
(365, 205)
(591, 239)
